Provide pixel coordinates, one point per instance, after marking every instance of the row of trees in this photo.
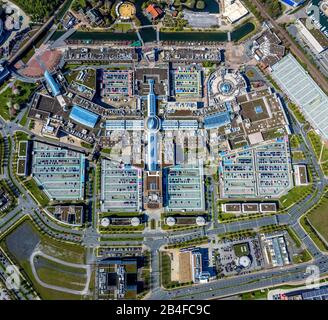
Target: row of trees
(275, 8)
(39, 10)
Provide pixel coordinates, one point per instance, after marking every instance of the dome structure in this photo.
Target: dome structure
(135, 221)
(244, 261)
(104, 222)
(170, 221)
(225, 87)
(200, 221)
(153, 123)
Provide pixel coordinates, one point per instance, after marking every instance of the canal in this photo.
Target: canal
(149, 35)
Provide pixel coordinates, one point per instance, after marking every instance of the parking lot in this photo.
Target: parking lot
(116, 83)
(101, 54)
(185, 188)
(121, 187)
(201, 19)
(59, 172)
(227, 253)
(187, 82)
(264, 171)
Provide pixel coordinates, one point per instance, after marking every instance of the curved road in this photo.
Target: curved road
(38, 253)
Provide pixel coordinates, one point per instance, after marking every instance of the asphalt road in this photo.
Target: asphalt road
(154, 240)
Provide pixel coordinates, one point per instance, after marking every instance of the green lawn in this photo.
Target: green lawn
(312, 234)
(122, 27)
(106, 150)
(315, 142)
(298, 155)
(25, 91)
(2, 154)
(38, 194)
(58, 273)
(119, 214)
(22, 148)
(166, 270)
(26, 58)
(86, 145)
(295, 238)
(90, 79)
(254, 295)
(320, 150)
(241, 249)
(57, 277)
(319, 217)
(295, 195)
(304, 256)
(297, 113)
(294, 141)
(4, 110)
(24, 119)
(188, 243)
(21, 136)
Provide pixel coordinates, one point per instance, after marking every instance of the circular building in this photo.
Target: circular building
(244, 262)
(224, 85)
(200, 221)
(170, 221)
(153, 124)
(104, 222)
(125, 10)
(135, 221)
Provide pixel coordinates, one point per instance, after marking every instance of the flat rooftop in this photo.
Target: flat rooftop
(58, 171)
(187, 82)
(84, 116)
(260, 172)
(304, 91)
(184, 188)
(121, 187)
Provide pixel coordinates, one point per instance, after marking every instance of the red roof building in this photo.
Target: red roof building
(154, 11)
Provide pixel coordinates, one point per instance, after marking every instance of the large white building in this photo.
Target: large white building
(234, 10)
(304, 91)
(317, 41)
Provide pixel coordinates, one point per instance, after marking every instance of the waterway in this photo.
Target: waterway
(149, 35)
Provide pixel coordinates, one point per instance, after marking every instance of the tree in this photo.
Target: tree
(200, 5)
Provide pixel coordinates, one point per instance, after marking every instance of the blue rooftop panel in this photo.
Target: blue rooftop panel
(83, 116)
(293, 3)
(217, 120)
(54, 86)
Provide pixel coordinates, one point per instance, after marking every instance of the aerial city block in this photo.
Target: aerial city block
(163, 150)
